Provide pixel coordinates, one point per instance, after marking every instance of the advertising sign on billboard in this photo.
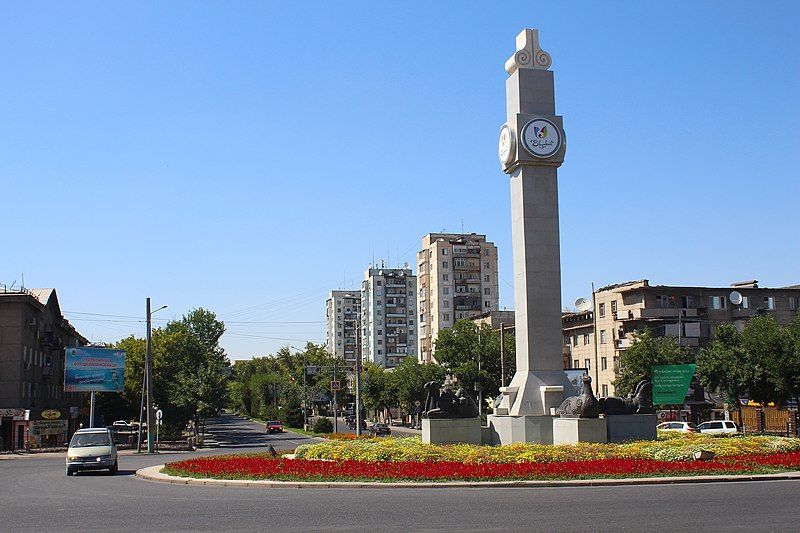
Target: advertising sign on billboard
(670, 383)
(575, 377)
(94, 369)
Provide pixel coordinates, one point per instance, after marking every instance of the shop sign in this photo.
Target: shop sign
(48, 427)
(51, 414)
(12, 412)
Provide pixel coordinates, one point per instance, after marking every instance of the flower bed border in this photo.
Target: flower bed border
(154, 474)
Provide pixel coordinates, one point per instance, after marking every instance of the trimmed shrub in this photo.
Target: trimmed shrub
(323, 425)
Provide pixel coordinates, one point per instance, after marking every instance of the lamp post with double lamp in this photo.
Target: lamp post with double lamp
(149, 378)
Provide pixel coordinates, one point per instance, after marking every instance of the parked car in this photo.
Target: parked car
(274, 426)
(685, 427)
(380, 430)
(92, 449)
(719, 427)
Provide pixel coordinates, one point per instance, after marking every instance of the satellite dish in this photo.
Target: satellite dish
(582, 304)
(735, 297)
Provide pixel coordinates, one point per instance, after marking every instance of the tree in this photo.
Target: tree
(645, 352)
(724, 365)
(462, 347)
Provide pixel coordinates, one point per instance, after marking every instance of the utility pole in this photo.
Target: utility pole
(141, 410)
(149, 378)
(335, 401)
(358, 377)
(594, 321)
(502, 354)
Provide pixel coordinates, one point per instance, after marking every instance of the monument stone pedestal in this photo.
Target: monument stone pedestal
(506, 429)
(451, 430)
(575, 430)
(623, 428)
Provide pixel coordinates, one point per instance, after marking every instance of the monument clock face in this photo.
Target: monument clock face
(541, 137)
(505, 145)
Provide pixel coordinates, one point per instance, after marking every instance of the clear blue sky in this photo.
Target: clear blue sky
(247, 157)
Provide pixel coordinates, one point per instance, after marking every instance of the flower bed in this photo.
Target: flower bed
(260, 466)
(669, 449)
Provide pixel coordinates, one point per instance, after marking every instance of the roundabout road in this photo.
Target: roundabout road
(36, 495)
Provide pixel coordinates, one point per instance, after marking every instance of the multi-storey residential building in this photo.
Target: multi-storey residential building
(34, 409)
(578, 351)
(457, 279)
(388, 311)
(343, 310)
(689, 314)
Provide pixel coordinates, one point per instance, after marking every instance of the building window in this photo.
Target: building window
(769, 303)
(486, 278)
(566, 340)
(717, 302)
(487, 303)
(576, 364)
(602, 336)
(585, 339)
(380, 341)
(446, 290)
(605, 391)
(487, 291)
(574, 340)
(378, 283)
(446, 303)
(687, 302)
(445, 277)
(662, 301)
(792, 303)
(377, 302)
(380, 352)
(380, 312)
(486, 264)
(380, 332)
(604, 363)
(613, 306)
(745, 302)
(485, 251)
(601, 309)
(445, 264)
(587, 364)
(446, 317)
(411, 322)
(444, 251)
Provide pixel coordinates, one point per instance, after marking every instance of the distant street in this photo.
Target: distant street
(35, 495)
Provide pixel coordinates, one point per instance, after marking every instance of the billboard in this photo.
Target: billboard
(670, 383)
(94, 369)
(575, 377)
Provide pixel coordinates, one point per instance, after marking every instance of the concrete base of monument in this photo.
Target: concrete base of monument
(451, 430)
(575, 430)
(623, 428)
(506, 429)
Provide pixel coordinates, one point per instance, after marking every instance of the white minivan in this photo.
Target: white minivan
(92, 449)
(719, 427)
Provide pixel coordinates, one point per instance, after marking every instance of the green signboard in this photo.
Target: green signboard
(670, 383)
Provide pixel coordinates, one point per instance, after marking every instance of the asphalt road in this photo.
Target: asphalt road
(35, 495)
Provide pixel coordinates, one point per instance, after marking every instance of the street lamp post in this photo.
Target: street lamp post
(149, 378)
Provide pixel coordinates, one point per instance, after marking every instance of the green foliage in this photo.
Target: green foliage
(407, 381)
(645, 352)
(763, 361)
(462, 347)
(323, 425)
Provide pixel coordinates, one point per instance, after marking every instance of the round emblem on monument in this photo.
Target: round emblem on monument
(505, 145)
(541, 137)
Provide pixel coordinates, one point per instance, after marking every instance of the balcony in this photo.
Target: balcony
(395, 285)
(744, 313)
(623, 344)
(656, 313)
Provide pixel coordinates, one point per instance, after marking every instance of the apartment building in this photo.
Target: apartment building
(457, 279)
(689, 314)
(578, 351)
(343, 310)
(388, 315)
(34, 409)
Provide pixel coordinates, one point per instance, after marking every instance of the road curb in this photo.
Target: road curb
(153, 473)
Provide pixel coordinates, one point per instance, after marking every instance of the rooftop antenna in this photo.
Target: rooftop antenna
(462, 225)
(23, 280)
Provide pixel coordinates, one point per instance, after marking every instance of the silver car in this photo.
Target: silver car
(92, 449)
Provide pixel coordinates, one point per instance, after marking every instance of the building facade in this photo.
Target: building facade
(689, 314)
(343, 311)
(388, 316)
(457, 279)
(34, 409)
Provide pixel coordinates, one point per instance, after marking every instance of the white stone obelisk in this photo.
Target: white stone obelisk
(531, 148)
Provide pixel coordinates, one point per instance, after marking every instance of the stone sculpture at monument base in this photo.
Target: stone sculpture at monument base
(451, 430)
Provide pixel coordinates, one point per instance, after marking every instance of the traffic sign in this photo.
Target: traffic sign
(159, 415)
(336, 385)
